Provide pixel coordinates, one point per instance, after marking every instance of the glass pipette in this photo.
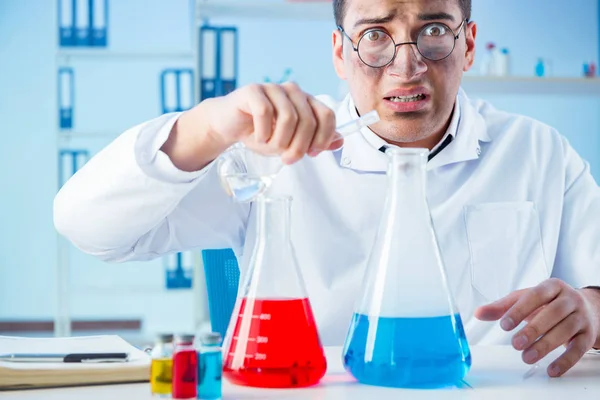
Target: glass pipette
(357, 124)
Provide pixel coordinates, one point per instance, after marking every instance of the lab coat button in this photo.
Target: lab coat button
(479, 151)
(346, 161)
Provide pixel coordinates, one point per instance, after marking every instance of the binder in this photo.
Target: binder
(186, 89)
(66, 23)
(187, 264)
(69, 162)
(177, 90)
(179, 270)
(168, 91)
(171, 261)
(219, 56)
(209, 38)
(228, 60)
(66, 95)
(83, 16)
(98, 23)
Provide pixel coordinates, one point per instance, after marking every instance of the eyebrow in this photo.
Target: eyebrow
(392, 15)
(436, 16)
(376, 20)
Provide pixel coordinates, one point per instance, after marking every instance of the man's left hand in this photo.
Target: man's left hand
(556, 314)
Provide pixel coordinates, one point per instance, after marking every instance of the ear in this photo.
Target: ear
(470, 34)
(338, 54)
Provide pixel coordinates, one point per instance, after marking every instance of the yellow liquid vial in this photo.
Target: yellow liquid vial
(161, 376)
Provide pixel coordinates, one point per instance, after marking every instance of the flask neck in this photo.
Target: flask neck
(274, 220)
(407, 174)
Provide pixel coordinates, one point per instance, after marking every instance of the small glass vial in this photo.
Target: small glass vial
(185, 368)
(161, 371)
(210, 367)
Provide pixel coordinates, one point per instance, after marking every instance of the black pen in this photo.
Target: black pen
(65, 358)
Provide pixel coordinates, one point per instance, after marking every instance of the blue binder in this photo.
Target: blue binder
(83, 16)
(209, 53)
(176, 90)
(98, 23)
(219, 61)
(228, 60)
(66, 96)
(69, 162)
(66, 23)
(179, 270)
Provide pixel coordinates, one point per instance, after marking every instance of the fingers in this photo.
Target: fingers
(497, 309)
(549, 317)
(530, 301)
(286, 118)
(534, 314)
(306, 127)
(325, 134)
(556, 314)
(575, 351)
(337, 143)
(289, 122)
(557, 336)
(262, 111)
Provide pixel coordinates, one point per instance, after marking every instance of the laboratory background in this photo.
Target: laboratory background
(67, 91)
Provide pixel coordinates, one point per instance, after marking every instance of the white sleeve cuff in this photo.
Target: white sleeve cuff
(154, 162)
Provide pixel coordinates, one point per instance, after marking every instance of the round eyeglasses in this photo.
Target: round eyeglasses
(377, 49)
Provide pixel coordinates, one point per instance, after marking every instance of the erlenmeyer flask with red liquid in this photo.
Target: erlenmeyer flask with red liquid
(272, 340)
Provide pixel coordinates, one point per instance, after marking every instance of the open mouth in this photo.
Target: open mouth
(406, 99)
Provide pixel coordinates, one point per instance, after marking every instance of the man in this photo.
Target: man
(515, 208)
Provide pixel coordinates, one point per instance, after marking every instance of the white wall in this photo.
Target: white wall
(28, 159)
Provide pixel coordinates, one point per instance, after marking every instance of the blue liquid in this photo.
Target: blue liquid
(210, 375)
(407, 352)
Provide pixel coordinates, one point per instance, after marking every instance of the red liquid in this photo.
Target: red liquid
(185, 374)
(280, 347)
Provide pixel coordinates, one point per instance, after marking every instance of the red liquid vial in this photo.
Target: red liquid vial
(275, 344)
(185, 368)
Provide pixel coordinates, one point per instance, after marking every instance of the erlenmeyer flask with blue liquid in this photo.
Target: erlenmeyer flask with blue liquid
(406, 330)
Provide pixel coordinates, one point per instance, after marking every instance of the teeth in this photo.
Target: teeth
(406, 99)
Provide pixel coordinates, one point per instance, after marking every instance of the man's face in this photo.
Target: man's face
(407, 121)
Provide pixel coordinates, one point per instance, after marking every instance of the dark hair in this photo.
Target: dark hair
(339, 10)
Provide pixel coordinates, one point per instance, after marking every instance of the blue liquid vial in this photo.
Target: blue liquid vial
(210, 368)
(429, 352)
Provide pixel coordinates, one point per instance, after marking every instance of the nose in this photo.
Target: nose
(408, 63)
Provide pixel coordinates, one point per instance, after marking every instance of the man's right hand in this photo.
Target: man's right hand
(270, 119)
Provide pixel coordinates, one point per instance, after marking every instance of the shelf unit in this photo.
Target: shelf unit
(531, 85)
(65, 55)
(314, 11)
(323, 11)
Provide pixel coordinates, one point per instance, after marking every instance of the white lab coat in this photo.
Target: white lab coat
(511, 201)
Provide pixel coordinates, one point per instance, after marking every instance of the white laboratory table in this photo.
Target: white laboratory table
(497, 373)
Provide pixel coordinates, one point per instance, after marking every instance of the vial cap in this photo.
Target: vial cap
(212, 338)
(185, 338)
(164, 337)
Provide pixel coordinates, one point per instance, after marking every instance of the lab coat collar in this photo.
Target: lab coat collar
(358, 154)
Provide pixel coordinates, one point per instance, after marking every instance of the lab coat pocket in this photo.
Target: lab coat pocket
(505, 245)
